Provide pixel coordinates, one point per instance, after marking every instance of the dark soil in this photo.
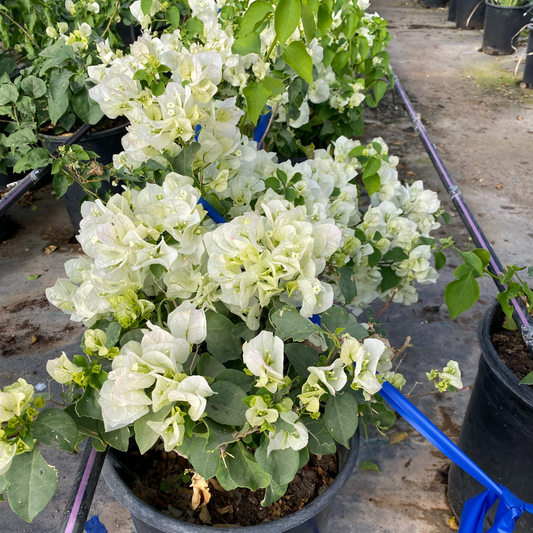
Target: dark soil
(160, 487)
(512, 349)
(103, 125)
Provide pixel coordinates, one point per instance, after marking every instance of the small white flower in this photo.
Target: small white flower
(332, 376)
(62, 369)
(263, 356)
(289, 432)
(188, 322)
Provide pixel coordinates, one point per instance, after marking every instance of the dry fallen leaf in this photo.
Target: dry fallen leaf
(499, 186)
(399, 142)
(395, 438)
(409, 173)
(452, 522)
(200, 491)
(50, 249)
(96, 169)
(33, 339)
(216, 485)
(227, 509)
(519, 118)
(205, 517)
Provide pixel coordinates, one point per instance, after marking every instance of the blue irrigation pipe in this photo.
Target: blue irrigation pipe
(520, 313)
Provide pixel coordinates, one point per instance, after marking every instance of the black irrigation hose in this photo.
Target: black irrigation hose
(520, 313)
(79, 504)
(26, 183)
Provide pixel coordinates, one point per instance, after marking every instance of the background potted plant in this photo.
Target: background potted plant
(503, 22)
(500, 411)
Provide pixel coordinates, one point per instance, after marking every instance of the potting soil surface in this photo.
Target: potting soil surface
(512, 349)
(482, 124)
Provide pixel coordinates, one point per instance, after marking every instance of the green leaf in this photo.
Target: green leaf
(118, 439)
(320, 441)
(374, 258)
(33, 86)
(297, 57)
(133, 335)
(88, 404)
(60, 183)
(512, 291)
(55, 424)
(337, 317)
(308, 21)
(244, 470)
(182, 163)
(32, 483)
(473, 263)
(59, 81)
(461, 294)
(340, 417)
(8, 93)
(286, 20)
(221, 343)
(249, 44)
(85, 107)
(380, 88)
(528, 380)
(173, 16)
(224, 478)
(21, 136)
(205, 463)
(113, 331)
(289, 323)
(218, 435)
(273, 493)
(396, 254)
(256, 94)
(282, 465)
(380, 415)
(369, 465)
(36, 158)
(209, 366)
(157, 270)
(389, 278)
(193, 26)
(146, 6)
(254, 16)
(145, 436)
(276, 86)
(236, 377)
(33, 277)
(301, 357)
(347, 284)
(226, 406)
(440, 260)
(324, 18)
(340, 60)
(372, 184)
(483, 255)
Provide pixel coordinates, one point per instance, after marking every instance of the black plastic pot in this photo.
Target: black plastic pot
(502, 26)
(452, 10)
(312, 518)
(435, 3)
(528, 70)
(106, 144)
(497, 431)
(128, 34)
(470, 14)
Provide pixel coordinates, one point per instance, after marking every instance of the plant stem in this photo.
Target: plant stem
(271, 49)
(388, 303)
(275, 110)
(20, 27)
(117, 4)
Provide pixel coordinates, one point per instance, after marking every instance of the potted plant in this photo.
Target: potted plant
(503, 22)
(228, 337)
(499, 416)
(470, 14)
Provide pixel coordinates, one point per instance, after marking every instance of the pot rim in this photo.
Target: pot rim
(488, 352)
(141, 510)
(89, 136)
(523, 6)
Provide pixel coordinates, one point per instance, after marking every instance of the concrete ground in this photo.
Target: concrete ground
(481, 121)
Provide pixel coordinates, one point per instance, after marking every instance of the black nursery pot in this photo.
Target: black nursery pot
(312, 518)
(502, 26)
(104, 143)
(435, 3)
(470, 14)
(452, 10)
(528, 70)
(497, 432)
